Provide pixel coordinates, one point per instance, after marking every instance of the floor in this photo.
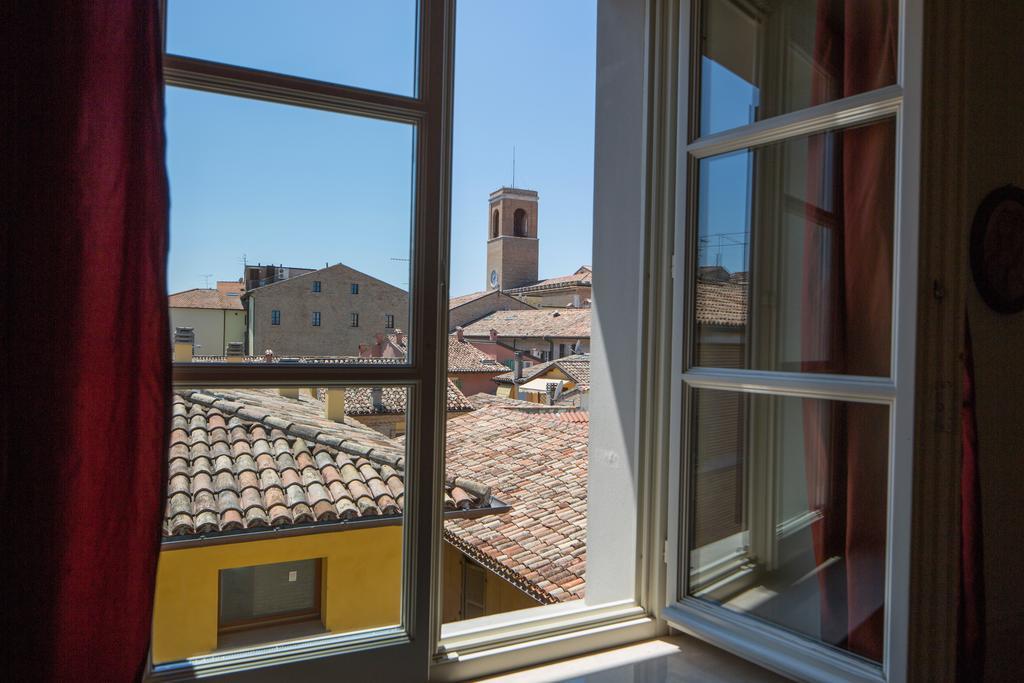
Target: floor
(675, 659)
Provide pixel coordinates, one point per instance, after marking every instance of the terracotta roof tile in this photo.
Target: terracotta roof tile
(208, 298)
(563, 323)
(278, 463)
(722, 301)
(464, 357)
(537, 464)
(583, 277)
(576, 367)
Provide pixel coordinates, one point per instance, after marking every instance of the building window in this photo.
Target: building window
(474, 590)
(494, 223)
(389, 321)
(316, 285)
(316, 318)
(275, 317)
(355, 320)
(355, 288)
(269, 594)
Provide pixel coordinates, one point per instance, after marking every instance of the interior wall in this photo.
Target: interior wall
(995, 156)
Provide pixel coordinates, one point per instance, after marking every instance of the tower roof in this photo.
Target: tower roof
(516, 192)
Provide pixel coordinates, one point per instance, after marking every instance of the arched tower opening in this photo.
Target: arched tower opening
(495, 222)
(519, 227)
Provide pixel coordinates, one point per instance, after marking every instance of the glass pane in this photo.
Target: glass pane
(290, 232)
(269, 591)
(543, 432)
(368, 45)
(764, 59)
(795, 254)
(284, 516)
(789, 513)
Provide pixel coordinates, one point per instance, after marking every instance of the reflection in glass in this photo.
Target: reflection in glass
(789, 513)
(368, 45)
(764, 59)
(795, 253)
(279, 216)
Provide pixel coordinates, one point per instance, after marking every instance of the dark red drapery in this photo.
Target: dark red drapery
(86, 408)
(846, 313)
(971, 627)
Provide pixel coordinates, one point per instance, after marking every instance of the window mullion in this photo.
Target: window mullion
(228, 79)
(839, 387)
(842, 113)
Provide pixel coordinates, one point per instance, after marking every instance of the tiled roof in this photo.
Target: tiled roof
(464, 357)
(246, 459)
(575, 367)
(205, 298)
(583, 277)
(580, 416)
(537, 464)
(456, 301)
(490, 400)
(359, 401)
(722, 301)
(563, 322)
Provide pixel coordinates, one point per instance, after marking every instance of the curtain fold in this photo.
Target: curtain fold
(845, 321)
(86, 407)
(971, 627)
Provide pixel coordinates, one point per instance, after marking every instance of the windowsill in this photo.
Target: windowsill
(673, 659)
(279, 633)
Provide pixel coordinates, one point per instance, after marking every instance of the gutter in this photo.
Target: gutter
(168, 543)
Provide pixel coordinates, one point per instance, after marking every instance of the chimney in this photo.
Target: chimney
(364, 350)
(334, 404)
(268, 356)
(399, 337)
(378, 348)
(494, 335)
(377, 398)
(235, 352)
(460, 334)
(288, 392)
(517, 374)
(575, 300)
(184, 341)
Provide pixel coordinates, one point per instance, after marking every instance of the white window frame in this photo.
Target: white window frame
(490, 644)
(774, 648)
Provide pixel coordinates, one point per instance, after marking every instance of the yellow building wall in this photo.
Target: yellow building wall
(500, 596)
(361, 571)
(214, 328)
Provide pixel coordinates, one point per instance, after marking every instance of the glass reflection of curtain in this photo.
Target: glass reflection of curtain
(845, 316)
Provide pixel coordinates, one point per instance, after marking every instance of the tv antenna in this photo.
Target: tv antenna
(207, 276)
(513, 165)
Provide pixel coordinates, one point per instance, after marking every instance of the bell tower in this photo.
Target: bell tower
(512, 243)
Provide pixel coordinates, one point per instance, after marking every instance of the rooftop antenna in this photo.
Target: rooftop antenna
(207, 276)
(513, 166)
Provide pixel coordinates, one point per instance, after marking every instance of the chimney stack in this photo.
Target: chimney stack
(268, 356)
(334, 404)
(399, 337)
(460, 334)
(494, 335)
(378, 348)
(235, 351)
(288, 392)
(517, 374)
(184, 343)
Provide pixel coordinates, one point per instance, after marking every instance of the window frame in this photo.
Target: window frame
(428, 112)
(275, 316)
(537, 634)
(316, 319)
(317, 286)
(353, 320)
(354, 289)
(771, 646)
(389, 321)
(256, 623)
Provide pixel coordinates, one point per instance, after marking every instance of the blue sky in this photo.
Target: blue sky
(280, 184)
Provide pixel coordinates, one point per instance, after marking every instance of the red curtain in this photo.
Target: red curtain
(86, 407)
(971, 636)
(846, 313)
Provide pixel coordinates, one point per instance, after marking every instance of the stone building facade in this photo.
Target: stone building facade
(512, 245)
(326, 312)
